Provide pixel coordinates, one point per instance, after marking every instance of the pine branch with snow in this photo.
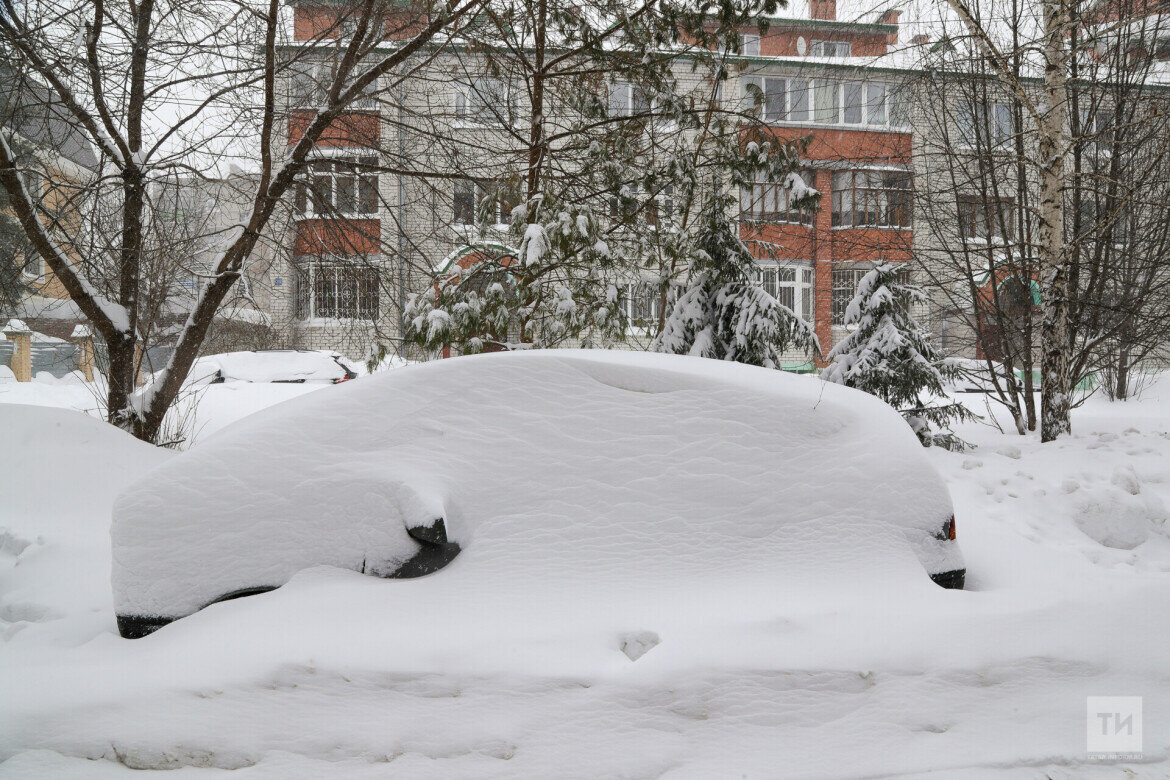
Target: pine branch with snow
(723, 313)
(888, 354)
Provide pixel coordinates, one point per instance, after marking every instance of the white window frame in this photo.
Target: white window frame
(477, 102)
(656, 208)
(639, 301)
(623, 99)
(365, 185)
(975, 131)
(788, 281)
(801, 100)
(980, 222)
(828, 48)
(771, 202)
(480, 189)
(365, 275)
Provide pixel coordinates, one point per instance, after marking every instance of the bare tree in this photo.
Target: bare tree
(1049, 122)
(170, 85)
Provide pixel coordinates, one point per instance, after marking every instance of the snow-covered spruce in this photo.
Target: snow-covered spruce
(890, 355)
(723, 313)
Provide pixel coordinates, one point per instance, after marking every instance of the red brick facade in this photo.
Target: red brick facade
(330, 236)
(312, 22)
(353, 128)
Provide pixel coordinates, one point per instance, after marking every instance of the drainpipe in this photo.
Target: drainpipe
(401, 221)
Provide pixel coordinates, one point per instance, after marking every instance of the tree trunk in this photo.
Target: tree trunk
(1121, 390)
(1055, 390)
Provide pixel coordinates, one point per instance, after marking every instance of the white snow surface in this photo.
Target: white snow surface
(614, 481)
(877, 679)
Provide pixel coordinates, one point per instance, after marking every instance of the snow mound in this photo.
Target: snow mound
(617, 475)
(59, 472)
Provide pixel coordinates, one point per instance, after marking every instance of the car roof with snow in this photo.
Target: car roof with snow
(274, 365)
(621, 475)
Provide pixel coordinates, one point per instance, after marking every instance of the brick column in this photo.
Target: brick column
(21, 337)
(83, 338)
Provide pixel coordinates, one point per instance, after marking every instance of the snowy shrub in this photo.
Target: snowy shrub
(890, 355)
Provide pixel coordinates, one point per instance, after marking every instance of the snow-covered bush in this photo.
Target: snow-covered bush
(890, 355)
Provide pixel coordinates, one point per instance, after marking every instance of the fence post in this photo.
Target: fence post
(83, 337)
(21, 337)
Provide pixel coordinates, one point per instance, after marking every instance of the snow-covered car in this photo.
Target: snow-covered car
(298, 366)
(600, 480)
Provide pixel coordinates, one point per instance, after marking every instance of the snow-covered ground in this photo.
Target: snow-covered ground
(1068, 596)
(200, 411)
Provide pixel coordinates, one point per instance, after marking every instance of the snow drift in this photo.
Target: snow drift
(617, 479)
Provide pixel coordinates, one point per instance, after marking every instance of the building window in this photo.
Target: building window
(488, 101)
(339, 186)
(986, 219)
(772, 202)
(984, 124)
(845, 279)
(751, 44)
(872, 199)
(825, 101)
(639, 301)
(310, 83)
(831, 49)
(791, 286)
(469, 202)
(336, 289)
(627, 99)
(634, 200)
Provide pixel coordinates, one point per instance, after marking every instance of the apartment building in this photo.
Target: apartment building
(360, 240)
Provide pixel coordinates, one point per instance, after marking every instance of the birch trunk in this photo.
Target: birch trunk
(1055, 392)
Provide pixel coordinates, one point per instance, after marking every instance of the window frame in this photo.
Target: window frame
(800, 286)
(474, 106)
(646, 300)
(827, 47)
(763, 191)
(366, 197)
(308, 88)
(846, 200)
(849, 103)
(980, 226)
(479, 189)
(629, 105)
(314, 301)
(976, 131)
(838, 303)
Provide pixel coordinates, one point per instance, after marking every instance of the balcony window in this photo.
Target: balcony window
(872, 199)
(772, 202)
(339, 187)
